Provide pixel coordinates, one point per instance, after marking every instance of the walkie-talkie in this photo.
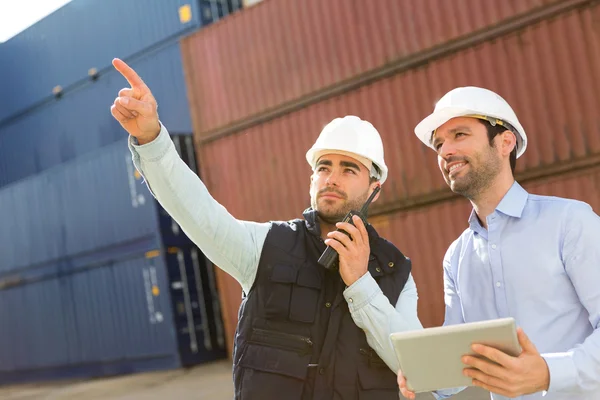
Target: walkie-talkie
(330, 258)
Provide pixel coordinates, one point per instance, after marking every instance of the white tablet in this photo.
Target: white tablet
(430, 359)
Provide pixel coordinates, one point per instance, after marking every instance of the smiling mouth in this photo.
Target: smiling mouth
(454, 168)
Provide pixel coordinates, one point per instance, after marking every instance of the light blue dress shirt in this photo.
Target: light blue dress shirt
(538, 262)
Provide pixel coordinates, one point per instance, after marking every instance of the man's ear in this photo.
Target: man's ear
(509, 142)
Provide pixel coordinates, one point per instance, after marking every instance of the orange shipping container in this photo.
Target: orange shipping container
(282, 50)
(424, 235)
(547, 72)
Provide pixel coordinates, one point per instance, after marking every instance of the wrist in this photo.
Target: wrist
(353, 278)
(147, 138)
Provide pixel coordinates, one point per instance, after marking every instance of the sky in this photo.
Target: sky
(18, 15)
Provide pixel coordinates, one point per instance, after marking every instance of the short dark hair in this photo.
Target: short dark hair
(495, 130)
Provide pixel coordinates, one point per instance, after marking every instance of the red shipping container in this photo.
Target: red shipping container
(547, 71)
(551, 84)
(279, 51)
(424, 235)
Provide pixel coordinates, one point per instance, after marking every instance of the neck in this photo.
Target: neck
(326, 228)
(486, 202)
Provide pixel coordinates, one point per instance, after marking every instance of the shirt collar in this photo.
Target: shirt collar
(512, 204)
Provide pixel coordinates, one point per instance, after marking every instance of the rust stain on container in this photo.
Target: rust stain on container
(279, 51)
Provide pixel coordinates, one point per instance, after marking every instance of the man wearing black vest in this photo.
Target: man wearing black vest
(304, 332)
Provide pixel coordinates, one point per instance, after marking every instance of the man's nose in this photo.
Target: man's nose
(447, 149)
(333, 178)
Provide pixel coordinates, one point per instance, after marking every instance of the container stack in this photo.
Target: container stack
(283, 69)
(95, 278)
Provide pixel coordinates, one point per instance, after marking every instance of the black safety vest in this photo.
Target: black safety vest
(295, 337)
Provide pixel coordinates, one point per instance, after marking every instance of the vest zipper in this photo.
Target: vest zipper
(286, 341)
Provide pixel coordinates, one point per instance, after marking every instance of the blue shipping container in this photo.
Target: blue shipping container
(81, 121)
(87, 34)
(96, 279)
(93, 202)
(105, 314)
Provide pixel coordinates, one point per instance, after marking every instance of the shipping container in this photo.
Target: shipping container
(424, 234)
(80, 121)
(280, 51)
(93, 202)
(131, 313)
(78, 42)
(545, 68)
(550, 83)
(96, 279)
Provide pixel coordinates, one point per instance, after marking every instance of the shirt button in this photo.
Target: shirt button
(494, 246)
(350, 300)
(498, 284)
(391, 264)
(328, 304)
(321, 371)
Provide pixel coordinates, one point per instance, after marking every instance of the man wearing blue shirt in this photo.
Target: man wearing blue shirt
(533, 258)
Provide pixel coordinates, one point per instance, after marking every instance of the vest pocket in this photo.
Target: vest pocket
(277, 302)
(274, 370)
(305, 295)
(293, 293)
(286, 341)
(377, 382)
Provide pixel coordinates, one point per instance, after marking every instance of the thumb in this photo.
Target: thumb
(143, 108)
(526, 344)
(400, 378)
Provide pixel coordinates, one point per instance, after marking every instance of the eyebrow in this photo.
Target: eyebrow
(325, 162)
(461, 128)
(348, 164)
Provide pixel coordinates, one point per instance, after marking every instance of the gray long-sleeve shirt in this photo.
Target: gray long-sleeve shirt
(235, 246)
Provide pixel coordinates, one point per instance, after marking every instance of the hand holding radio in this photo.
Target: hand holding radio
(351, 242)
(348, 247)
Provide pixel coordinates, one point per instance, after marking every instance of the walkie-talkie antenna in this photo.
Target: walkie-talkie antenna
(365, 207)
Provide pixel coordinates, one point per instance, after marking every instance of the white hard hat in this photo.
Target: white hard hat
(474, 102)
(352, 136)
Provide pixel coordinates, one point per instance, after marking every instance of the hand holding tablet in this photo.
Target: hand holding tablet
(431, 359)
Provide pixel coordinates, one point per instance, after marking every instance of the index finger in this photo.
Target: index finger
(358, 222)
(128, 73)
(352, 230)
(494, 354)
